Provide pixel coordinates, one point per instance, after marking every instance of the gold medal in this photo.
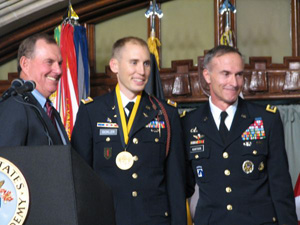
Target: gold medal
(124, 160)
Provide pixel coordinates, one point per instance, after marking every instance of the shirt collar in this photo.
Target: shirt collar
(216, 112)
(39, 97)
(125, 100)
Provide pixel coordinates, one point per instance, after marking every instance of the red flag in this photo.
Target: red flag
(74, 83)
(297, 198)
(67, 101)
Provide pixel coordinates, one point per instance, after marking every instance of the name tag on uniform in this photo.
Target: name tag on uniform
(108, 132)
(197, 148)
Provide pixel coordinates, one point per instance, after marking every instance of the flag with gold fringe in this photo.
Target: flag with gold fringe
(74, 83)
(227, 36)
(154, 86)
(153, 43)
(154, 83)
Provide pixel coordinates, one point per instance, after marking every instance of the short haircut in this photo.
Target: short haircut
(119, 44)
(27, 46)
(218, 51)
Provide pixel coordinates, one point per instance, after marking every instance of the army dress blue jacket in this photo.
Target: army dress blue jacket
(152, 191)
(246, 180)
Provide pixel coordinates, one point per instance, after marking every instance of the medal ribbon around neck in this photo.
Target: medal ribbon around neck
(127, 127)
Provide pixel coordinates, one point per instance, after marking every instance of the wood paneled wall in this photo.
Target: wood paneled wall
(183, 82)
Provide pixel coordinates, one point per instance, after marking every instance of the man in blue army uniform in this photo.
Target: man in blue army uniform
(238, 159)
(142, 157)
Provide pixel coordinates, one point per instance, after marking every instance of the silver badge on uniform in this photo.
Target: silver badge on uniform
(199, 171)
(247, 143)
(248, 166)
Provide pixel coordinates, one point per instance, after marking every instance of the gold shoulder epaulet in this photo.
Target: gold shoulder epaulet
(182, 114)
(271, 108)
(172, 103)
(87, 100)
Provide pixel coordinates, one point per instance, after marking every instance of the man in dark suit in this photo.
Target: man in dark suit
(23, 118)
(28, 119)
(141, 158)
(236, 152)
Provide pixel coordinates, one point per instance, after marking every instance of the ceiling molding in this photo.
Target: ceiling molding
(89, 11)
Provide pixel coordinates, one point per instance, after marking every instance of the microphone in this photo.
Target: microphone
(16, 83)
(28, 86)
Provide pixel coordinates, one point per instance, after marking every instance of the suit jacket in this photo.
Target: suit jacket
(246, 180)
(152, 191)
(25, 123)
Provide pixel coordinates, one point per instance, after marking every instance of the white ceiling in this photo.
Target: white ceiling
(17, 13)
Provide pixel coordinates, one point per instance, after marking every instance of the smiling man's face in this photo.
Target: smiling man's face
(132, 66)
(43, 67)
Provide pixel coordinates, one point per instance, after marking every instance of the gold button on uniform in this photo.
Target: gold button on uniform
(274, 219)
(135, 141)
(108, 139)
(261, 166)
(229, 207)
(227, 172)
(156, 140)
(166, 214)
(225, 155)
(134, 176)
(228, 189)
(196, 156)
(135, 158)
(254, 152)
(134, 194)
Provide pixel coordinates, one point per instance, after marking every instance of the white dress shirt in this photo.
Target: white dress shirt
(125, 101)
(216, 112)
